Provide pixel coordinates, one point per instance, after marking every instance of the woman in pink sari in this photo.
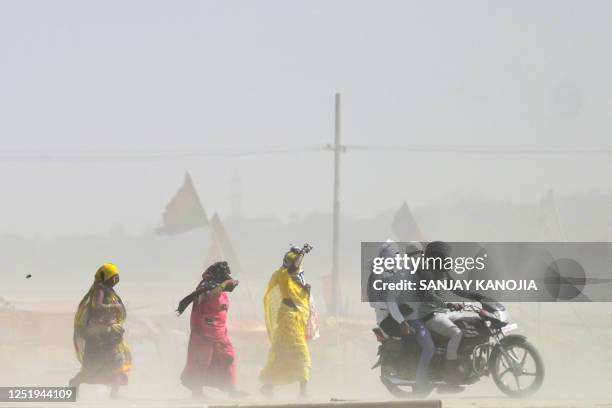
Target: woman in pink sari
(210, 354)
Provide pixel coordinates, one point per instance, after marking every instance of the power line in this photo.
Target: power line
(525, 150)
(250, 152)
(152, 156)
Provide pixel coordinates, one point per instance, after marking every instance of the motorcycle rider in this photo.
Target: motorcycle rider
(436, 309)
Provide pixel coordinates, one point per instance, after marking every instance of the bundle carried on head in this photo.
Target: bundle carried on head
(212, 277)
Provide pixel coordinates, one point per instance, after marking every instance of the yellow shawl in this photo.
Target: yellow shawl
(83, 313)
(282, 285)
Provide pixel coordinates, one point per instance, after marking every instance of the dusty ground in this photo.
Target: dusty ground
(446, 403)
(35, 350)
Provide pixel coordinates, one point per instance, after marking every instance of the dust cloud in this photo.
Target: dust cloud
(490, 120)
(36, 314)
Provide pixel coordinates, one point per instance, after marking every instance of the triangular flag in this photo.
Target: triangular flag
(549, 221)
(404, 226)
(221, 249)
(184, 211)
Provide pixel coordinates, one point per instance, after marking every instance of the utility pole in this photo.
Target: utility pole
(337, 149)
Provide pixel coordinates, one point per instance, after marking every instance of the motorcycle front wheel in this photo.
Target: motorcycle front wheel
(522, 376)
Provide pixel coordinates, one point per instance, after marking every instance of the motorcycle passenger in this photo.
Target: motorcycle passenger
(436, 307)
(421, 332)
(399, 316)
(388, 314)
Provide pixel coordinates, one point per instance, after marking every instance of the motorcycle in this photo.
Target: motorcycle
(486, 349)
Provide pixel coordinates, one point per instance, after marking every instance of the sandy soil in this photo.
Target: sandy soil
(36, 350)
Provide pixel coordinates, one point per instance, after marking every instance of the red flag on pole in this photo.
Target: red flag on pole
(184, 211)
(221, 248)
(404, 225)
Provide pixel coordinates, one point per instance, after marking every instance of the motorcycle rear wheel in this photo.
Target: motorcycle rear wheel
(395, 390)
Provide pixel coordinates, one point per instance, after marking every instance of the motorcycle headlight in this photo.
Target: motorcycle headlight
(501, 315)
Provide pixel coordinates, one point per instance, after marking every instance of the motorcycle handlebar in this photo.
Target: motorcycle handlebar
(471, 307)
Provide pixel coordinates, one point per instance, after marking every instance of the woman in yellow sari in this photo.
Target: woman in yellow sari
(98, 334)
(287, 310)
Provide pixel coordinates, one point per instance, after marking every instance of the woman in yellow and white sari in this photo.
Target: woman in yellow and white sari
(287, 310)
(98, 334)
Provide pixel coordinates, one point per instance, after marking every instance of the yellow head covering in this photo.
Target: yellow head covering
(106, 271)
(289, 259)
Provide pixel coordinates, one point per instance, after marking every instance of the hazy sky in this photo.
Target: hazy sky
(160, 76)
